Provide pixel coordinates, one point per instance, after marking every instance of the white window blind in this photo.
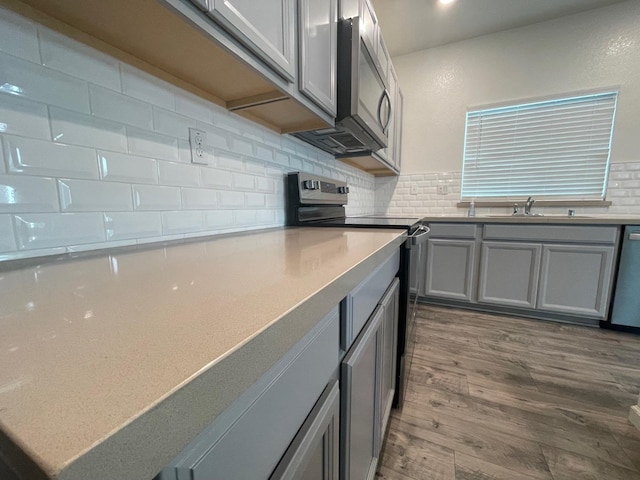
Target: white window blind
(555, 148)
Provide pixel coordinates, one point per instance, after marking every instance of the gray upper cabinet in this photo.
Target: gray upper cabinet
(266, 27)
(450, 268)
(369, 26)
(314, 454)
(318, 51)
(576, 279)
(509, 273)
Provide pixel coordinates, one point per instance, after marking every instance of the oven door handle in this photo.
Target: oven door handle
(420, 235)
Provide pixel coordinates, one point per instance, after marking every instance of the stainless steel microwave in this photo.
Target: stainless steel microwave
(364, 104)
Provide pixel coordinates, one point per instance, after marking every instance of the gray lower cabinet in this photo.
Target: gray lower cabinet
(360, 376)
(317, 31)
(509, 273)
(576, 279)
(314, 454)
(450, 268)
(248, 440)
(389, 305)
(266, 27)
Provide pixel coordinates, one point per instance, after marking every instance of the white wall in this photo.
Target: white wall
(595, 49)
(95, 154)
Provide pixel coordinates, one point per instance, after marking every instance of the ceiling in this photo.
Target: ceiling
(412, 25)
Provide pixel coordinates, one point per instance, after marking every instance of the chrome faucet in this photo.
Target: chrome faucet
(528, 205)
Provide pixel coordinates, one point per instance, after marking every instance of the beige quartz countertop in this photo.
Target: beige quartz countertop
(542, 219)
(110, 365)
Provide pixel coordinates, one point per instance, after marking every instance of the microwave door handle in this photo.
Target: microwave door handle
(380, 109)
(386, 125)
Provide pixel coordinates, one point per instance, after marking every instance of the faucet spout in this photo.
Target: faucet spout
(528, 205)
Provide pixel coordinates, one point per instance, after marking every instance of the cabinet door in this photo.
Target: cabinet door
(317, 25)
(266, 27)
(576, 279)
(313, 454)
(389, 329)
(369, 26)
(450, 268)
(509, 273)
(360, 387)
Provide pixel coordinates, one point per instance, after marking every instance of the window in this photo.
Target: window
(557, 149)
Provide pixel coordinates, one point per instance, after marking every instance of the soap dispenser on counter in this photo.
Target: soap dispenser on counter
(472, 208)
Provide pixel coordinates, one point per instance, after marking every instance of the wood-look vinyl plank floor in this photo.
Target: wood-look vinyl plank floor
(501, 398)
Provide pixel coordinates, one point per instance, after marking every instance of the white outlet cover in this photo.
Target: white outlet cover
(197, 141)
(414, 189)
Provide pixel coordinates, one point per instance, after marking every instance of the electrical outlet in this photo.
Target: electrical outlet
(197, 140)
(413, 190)
(443, 189)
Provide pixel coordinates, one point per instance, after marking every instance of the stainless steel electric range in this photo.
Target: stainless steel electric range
(314, 201)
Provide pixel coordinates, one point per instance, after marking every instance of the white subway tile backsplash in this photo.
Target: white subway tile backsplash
(212, 177)
(178, 174)
(118, 167)
(132, 225)
(114, 106)
(20, 116)
(121, 160)
(181, 222)
(145, 87)
(18, 36)
(48, 230)
(66, 55)
(245, 217)
(92, 196)
(216, 137)
(172, 124)
(282, 158)
(265, 217)
(255, 199)
(194, 107)
(241, 146)
(154, 197)
(80, 129)
(199, 198)
(216, 219)
(231, 199)
(244, 182)
(256, 167)
(3, 165)
(229, 161)
(149, 144)
(26, 79)
(7, 237)
(21, 194)
(43, 158)
(265, 184)
(264, 153)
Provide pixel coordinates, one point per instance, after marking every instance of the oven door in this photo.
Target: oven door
(416, 245)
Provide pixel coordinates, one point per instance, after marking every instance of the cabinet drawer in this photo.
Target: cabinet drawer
(249, 438)
(363, 299)
(552, 233)
(453, 230)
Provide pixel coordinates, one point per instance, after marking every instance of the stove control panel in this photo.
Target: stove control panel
(308, 189)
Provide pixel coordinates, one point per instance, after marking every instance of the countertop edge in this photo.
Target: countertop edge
(160, 432)
(535, 220)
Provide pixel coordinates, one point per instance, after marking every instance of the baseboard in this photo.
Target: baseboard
(634, 415)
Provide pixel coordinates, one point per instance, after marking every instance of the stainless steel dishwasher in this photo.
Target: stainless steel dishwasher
(626, 300)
